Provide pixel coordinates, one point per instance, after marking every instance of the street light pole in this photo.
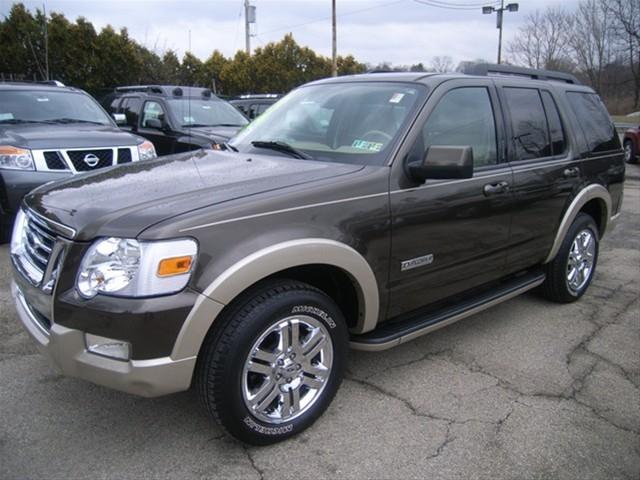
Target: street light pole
(249, 18)
(334, 42)
(512, 7)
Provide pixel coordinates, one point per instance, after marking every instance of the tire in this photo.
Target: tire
(246, 361)
(570, 273)
(630, 154)
(6, 226)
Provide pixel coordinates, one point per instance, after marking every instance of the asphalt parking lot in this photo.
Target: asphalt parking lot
(525, 390)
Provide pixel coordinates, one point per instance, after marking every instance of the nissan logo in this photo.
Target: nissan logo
(91, 160)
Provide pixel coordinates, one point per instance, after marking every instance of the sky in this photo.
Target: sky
(400, 32)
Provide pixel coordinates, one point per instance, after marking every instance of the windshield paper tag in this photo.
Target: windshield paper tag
(396, 98)
(189, 120)
(364, 145)
(6, 116)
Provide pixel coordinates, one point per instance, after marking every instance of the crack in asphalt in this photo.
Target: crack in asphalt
(578, 382)
(252, 461)
(449, 422)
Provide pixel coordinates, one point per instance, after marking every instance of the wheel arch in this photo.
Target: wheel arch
(288, 258)
(594, 200)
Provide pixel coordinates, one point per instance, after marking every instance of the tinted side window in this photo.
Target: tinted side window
(464, 116)
(595, 122)
(528, 122)
(558, 140)
(152, 110)
(130, 108)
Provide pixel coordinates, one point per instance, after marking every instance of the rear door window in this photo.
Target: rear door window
(528, 123)
(596, 124)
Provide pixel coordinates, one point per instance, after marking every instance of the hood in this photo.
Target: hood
(215, 133)
(76, 135)
(124, 200)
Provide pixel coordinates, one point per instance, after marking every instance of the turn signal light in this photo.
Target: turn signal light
(174, 266)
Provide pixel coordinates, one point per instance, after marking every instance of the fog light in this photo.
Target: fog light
(107, 347)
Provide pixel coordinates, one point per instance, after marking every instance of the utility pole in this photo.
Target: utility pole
(512, 7)
(249, 18)
(334, 41)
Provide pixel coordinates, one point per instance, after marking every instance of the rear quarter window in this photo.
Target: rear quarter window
(598, 129)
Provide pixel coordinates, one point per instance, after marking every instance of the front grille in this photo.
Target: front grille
(124, 155)
(54, 161)
(84, 161)
(38, 242)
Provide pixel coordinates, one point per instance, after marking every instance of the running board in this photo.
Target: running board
(390, 335)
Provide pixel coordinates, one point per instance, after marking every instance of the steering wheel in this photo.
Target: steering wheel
(378, 133)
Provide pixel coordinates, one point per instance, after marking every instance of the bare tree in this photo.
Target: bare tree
(591, 40)
(626, 28)
(541, 41)
(442, 64)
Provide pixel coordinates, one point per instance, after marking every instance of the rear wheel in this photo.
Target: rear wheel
(630, 152)
(274, 362)
(570, 273)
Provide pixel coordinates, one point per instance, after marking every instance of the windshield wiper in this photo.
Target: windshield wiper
(282, 147)
(197, 125)
(73, 120)
(227, 125)
(15, 121)
(228, 146)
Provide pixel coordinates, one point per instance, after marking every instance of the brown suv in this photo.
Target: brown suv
(360, 211)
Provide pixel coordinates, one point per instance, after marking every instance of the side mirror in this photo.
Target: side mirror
(154, 123)
(120, 118)
(443, 162)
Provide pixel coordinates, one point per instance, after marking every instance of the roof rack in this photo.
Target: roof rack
(489, 69)
(55, 83)
(141, 88)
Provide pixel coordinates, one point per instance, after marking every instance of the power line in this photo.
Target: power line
(455, 6)
(352, 12)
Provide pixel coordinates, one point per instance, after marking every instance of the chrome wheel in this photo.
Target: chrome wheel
(581, 260)
(287, 369)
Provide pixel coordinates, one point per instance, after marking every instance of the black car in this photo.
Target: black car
(50, 132)
(176, 119)
(255, 105)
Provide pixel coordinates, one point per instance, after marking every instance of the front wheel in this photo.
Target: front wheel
(570, 273)
(274, 362)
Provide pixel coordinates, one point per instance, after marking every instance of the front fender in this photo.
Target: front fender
(267, 261)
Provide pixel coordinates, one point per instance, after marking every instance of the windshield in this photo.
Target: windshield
(47, 106)
(346, 122)
(191, 112)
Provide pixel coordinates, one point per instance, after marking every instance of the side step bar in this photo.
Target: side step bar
(390, 335)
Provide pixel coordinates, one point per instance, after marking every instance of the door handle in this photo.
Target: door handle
(571, 172)
(495, 188)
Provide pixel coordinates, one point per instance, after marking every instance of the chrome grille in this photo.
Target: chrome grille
(32, 248)
(73, 160)
(100, 159)
(39, 242)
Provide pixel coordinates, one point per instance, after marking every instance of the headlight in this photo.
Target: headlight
(146, 151)
(13, 158)
(125, 267)
(18, 234)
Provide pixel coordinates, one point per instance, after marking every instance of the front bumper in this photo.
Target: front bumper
(66, 348)
(15, 184)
